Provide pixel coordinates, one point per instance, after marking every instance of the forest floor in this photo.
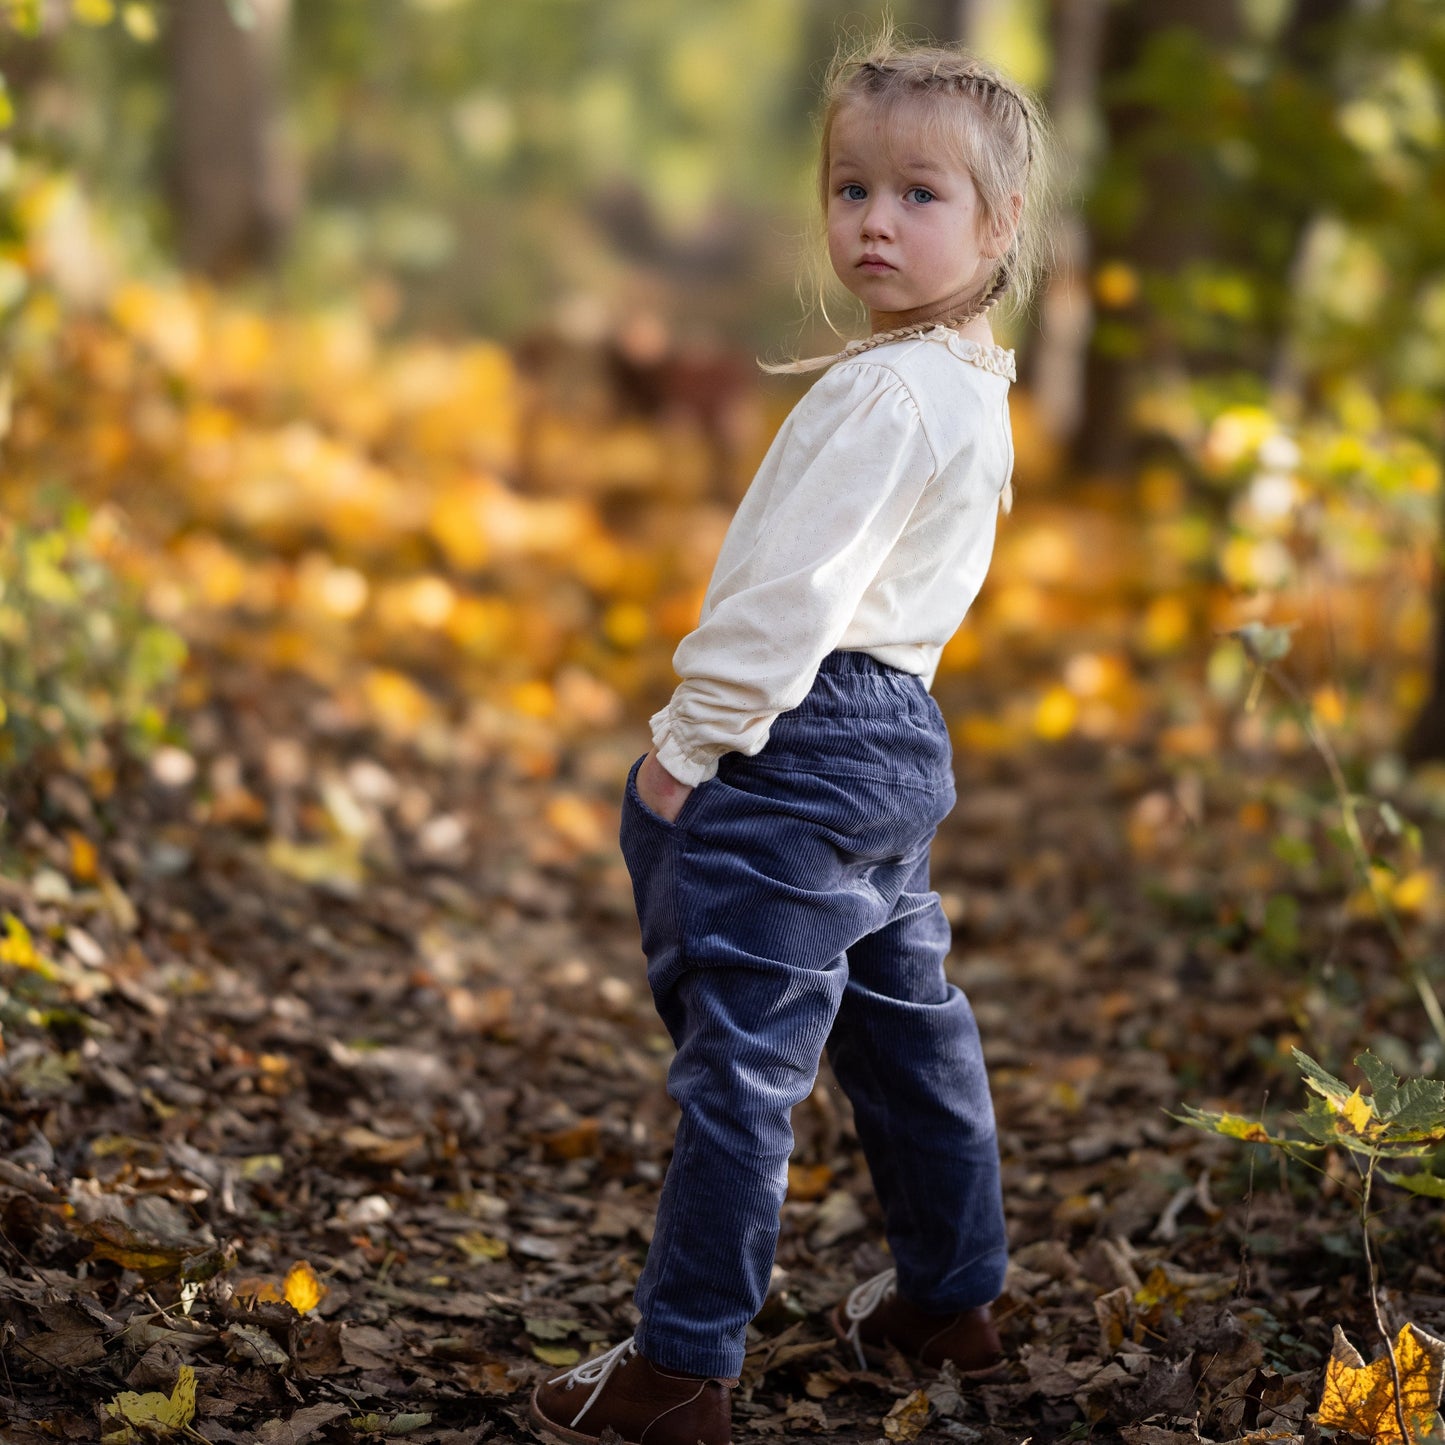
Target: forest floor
(441, 1085)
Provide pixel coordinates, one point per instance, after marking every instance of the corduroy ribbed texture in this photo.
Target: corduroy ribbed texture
(788, 908)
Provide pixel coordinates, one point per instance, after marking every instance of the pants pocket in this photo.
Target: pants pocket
(633, 797)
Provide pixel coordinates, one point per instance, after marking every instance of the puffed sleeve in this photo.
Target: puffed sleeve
(829, 502)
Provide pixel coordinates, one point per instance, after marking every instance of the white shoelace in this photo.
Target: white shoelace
(862, 1302)
(596, 1372)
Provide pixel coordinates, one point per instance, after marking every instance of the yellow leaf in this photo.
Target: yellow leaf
(1159, 1292)
(19, 948)
(84, 860)
(905, 1421)
(476, 1245)
(303, 1290)
(162, 1413)
(556, 1354)
(1357, 1111)
(1360, 1398)
(1236, 1126)
(1116, 284)
(140, 21)
(1414, 891)
(1056, 713)
(626, 624)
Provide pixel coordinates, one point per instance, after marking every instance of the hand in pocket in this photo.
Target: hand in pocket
(659, 789)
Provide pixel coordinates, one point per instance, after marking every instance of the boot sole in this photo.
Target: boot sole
(538, 1421)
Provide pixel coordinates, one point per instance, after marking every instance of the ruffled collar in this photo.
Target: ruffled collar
(998, 359)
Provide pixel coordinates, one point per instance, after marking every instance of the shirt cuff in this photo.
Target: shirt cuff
(687, 770)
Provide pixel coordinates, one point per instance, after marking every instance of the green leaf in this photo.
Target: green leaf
(1319, 1080)
(1414, 1109)
(1384, 1081)
(1430, 1184)
(1293, 850)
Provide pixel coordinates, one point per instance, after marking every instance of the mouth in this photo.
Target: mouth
(875, 263)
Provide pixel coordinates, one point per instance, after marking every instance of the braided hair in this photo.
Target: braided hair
(1005, 139)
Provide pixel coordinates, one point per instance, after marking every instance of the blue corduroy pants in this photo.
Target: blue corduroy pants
(785, 910)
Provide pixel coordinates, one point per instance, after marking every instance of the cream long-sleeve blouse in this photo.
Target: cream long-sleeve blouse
(869, 525)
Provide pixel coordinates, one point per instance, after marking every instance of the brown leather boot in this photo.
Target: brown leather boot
(875, 1316)
(643, 1403)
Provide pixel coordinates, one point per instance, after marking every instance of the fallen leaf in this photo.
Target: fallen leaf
(809, 1181)
(164, 1414)
(302, 1289)
(561, 1355)
(476, 1245)
(839, 1215)
(579, 1141)
(905, 1421)
(1360, 1398)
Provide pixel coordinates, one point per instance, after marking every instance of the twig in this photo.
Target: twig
(1241, 1282)
(1369, 1179)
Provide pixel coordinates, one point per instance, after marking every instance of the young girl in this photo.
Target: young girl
(778, 834)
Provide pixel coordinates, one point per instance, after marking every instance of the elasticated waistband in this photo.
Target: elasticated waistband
(849, 659)
(855, 684)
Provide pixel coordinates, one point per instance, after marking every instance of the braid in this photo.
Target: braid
(989, 299)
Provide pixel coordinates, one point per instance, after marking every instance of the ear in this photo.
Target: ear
(1003, 233)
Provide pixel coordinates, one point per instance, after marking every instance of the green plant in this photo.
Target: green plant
(1265, 647)
(79, 659)
(1398, 1119)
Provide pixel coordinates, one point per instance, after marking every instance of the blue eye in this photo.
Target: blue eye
(852, 186)
(921, 191)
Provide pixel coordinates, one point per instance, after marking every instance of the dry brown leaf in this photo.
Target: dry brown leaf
(905, 1421)
(577, 1141)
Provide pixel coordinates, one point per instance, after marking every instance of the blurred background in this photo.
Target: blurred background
(377, 382)
(409, 347)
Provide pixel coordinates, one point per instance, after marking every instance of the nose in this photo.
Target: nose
(877, 219)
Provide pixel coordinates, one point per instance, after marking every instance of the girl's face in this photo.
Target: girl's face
(905, 232)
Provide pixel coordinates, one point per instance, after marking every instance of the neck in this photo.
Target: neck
(959, 304)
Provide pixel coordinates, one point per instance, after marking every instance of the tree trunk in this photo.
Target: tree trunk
(1165, 235)
(1056, 362)
(1425, 741)
(235, 189)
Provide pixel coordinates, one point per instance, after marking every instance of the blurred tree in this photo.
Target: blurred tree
(234, 184)
(1159, 201)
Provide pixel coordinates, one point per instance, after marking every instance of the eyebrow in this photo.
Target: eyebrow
(912, 165)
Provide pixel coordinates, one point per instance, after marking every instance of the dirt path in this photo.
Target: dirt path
(442, 1086)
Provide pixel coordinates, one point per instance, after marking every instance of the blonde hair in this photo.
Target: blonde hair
(995, 127)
